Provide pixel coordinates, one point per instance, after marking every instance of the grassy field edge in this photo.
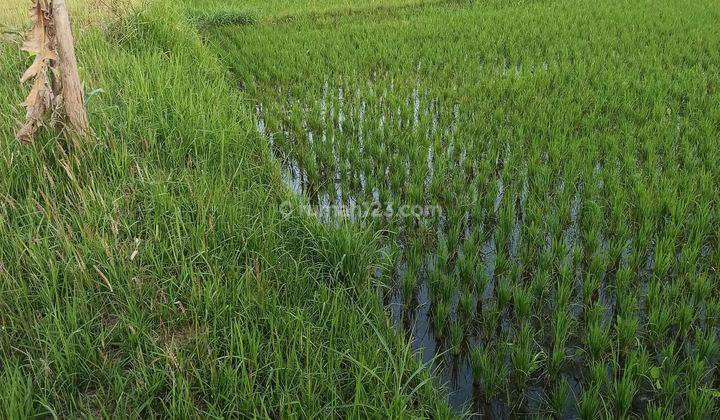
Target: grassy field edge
(152, 273)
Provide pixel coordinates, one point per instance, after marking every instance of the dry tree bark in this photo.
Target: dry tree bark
(72, 93)
(40, 41)
(56, 83)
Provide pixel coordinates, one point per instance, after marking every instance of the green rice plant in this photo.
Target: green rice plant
(660, 315)
(413, 254)
(415, 191)
(557, 356)
(626, 327)
(489, 370)
(598, 263)
(638, 362)
(546, 260)
(702, 287)
(658, 412)
(490, 318)
(554, 228)
(477, 210)
(456, 336)
(397, 183)
(658, 322)
(481, 281)
(674, 291)
(466, 305)
(697, 372)
(443, 254)
(454, 232)
(598, 375)
(590, 288)
(525, 359)
(488, 203)
(539, 285)
(562, 325)
(664, 256)
(466, 265)
(597, 339)
(623, 392)
(393, 254)
(707, 346)
(435, 282)
(689, 258)
(577, 254)
(502, 263)
(440, 317)
(447, 287)
(534, 234)
(626, 305)
(437, 186)
(409, 283)
(522, 303)
(666, 378)
(685, 315)
(507, 219)
(700, 403)
(558, 397)
(712, 310)
(590, 404)
(563, 293)
(558, 249)
(591, 220)
(471, 246)
(623, 279)
(566, 271)
(504, 291)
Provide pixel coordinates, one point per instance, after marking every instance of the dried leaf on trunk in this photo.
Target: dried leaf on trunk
(38, 103)
(39, 42)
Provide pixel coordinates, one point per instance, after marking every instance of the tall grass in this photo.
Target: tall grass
(151, 273)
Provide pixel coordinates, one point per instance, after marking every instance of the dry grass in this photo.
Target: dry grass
(83, 12)
(13, 12)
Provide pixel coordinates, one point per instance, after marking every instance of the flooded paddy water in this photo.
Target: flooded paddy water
(548, 225)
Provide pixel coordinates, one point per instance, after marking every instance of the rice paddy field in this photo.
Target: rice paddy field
(399, 208)
(570, 150)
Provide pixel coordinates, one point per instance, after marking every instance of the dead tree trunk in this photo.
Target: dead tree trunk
(72, 93)
(56, 83)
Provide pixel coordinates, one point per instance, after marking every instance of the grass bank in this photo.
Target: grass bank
(151, 274)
